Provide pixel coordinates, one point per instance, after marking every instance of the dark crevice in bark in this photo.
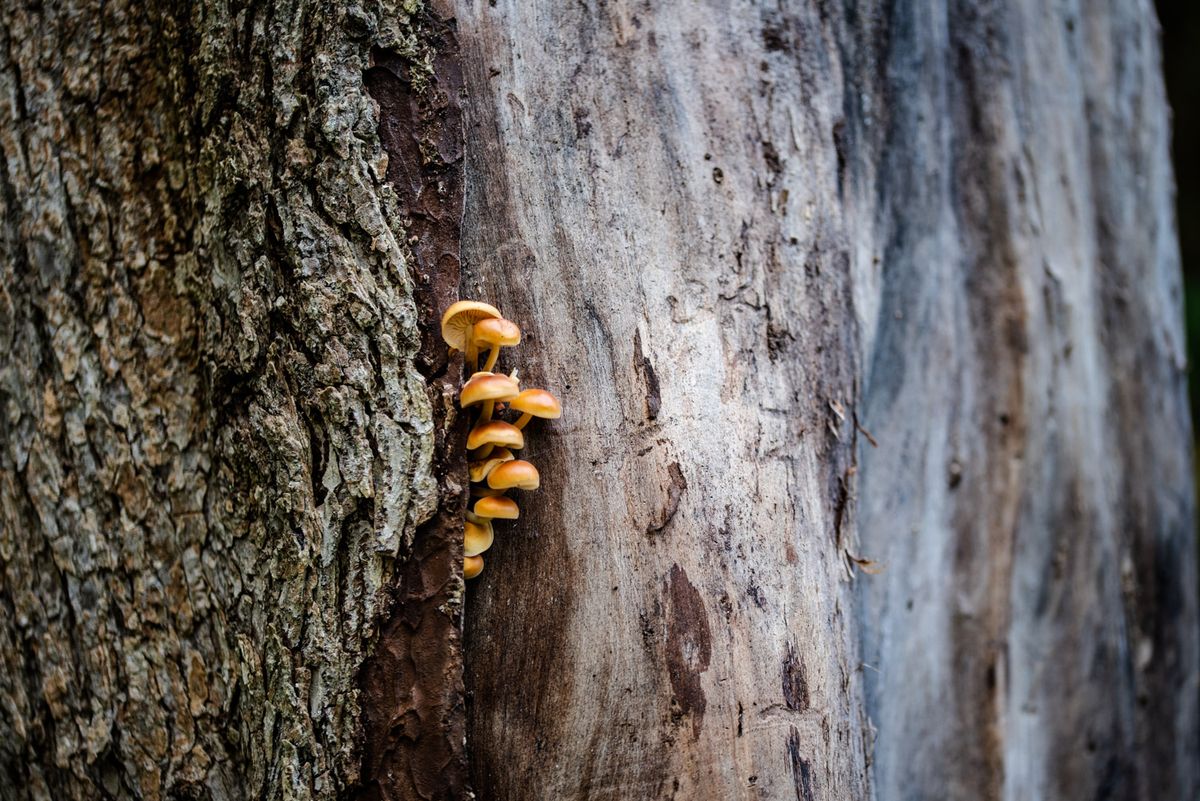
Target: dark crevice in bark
(413, 711)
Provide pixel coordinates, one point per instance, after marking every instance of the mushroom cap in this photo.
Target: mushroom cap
(458, 322)
(495, 432)
(479, 469)
(497, 331)
(488, 387)
(517, 473)
(497, 506)
(477, 537)
(537, 402)
(472, 566)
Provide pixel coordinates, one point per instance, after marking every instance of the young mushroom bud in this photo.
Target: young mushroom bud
(535, 403)
(497, 506)
(479, 470)
(487, 388)
(458, 326)
(477, 537)
(496, 332)
(495, 432)
(517, 473)
(472, 566)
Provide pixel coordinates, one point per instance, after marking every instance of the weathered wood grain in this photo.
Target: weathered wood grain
(654, 195)
(1034, 634)
(737, 229)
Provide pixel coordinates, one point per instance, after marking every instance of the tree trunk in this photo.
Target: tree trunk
(218, 481)
(874, 477)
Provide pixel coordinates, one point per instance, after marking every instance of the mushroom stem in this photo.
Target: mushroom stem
(472, 355)
(485, 452)
(488, 407)
(525, 418)
(491, 359)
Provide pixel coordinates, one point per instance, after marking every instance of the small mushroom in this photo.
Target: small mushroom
(497, 333)
(472, 566)
(477, 537)
(517, 473)
(458, 326)
(479, 470)
(487, 388)
(495, 432)
(497, 506)
(535, 403)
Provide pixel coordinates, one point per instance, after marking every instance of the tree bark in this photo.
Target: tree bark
(224, 570)
(874, 477)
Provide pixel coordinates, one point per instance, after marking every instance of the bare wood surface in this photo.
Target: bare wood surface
(737, 231)
(654, 196)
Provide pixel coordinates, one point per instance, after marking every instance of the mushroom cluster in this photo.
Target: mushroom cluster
(477, 328)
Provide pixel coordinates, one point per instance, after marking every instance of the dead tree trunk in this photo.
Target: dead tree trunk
(739, 237)
(741, 231)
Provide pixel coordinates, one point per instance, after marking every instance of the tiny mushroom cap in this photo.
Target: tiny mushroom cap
(488, 387)
(495, 432)
(481, 468)
(477, 537)
(472, 566)
(498, 506)
(535, 403)
(496, 332)
(458, 323)
(517, 473)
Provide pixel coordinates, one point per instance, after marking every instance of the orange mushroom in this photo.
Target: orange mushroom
(518, 473)
(496, 332)
(535, 403)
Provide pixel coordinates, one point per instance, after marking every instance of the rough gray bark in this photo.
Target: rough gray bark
(739, 236)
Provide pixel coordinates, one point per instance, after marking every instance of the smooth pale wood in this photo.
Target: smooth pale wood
(653, 198)
(729, 231)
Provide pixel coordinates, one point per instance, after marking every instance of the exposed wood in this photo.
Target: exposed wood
(741, 231)
(1034, 634)
(654, 196)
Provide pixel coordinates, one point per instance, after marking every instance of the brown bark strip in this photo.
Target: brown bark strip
(413, 714)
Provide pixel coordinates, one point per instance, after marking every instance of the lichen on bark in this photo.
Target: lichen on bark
(216, 446)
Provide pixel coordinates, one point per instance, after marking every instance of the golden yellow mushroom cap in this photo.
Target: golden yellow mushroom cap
(477, 537)
(517, 473)
(537, 402)
(488, 387)
(495, 432)
(458, 322)
(497, 506)
(497, 331)
(472, 566)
